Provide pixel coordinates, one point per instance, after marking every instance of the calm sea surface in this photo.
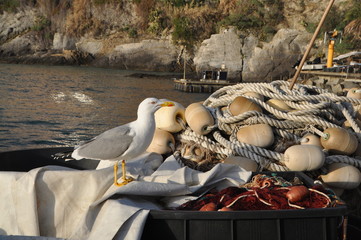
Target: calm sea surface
(49, 106)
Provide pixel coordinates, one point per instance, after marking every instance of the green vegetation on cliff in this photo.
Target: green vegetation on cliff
(188, 22)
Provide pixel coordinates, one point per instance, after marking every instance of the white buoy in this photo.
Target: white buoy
(339, 141)
(354, 93)
(163, 142)
(278, 104)
(168, 118)
(342, 175)
(241, 105)
(260, 135)
(311, 139)
(245, 163)
(304, 157)
(347, 124)
(199, 118)
(193, 153)
(255, 95)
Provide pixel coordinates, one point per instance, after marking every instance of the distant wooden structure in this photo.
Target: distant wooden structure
(210, 82)
(346, 76)
(199, 86)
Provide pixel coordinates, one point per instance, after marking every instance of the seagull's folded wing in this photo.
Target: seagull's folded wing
(107, 146)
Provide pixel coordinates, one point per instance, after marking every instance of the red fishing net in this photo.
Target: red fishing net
(265, 193)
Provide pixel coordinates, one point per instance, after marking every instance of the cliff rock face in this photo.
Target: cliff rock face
(14, 37)
(149, 55)
(246, 60)
(63, 42)
(100, 35)
(13, 24)
(221, 49)
(276, 58)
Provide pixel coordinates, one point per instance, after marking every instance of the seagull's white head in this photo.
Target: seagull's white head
(151, 105)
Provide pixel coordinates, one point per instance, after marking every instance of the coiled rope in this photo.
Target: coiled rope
(314, 111)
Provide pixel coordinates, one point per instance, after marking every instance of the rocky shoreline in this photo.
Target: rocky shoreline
(32, 35)
(244, 59)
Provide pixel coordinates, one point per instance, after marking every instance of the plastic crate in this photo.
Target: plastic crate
(304, 224)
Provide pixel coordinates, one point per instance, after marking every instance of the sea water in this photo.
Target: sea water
(52, 106)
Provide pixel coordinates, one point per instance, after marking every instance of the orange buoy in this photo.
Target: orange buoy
(168, 118)
(304, 157)
(279, 104)
(225, 209)
(354, 93)
(342, 175)
(260, 135)
(163, 142)
(199, 118)
(311, 139)
(245, 163)
(241, 105)
(208, 207)
(339, 141)
(297, 193)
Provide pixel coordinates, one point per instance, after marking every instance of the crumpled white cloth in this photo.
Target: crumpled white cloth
(65, 203)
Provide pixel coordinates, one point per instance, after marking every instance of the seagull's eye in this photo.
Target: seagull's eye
(153, 102)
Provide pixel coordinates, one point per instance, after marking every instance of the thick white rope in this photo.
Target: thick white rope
(314, 111)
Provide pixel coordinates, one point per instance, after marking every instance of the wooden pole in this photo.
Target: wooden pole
(184, 64)
(311, 43)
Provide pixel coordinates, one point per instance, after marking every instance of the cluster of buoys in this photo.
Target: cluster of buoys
(168, 121)
(172, 120)
(309, 153)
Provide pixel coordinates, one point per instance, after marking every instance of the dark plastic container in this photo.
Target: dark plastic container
(307, 224)
(304, 224)
(25, 160)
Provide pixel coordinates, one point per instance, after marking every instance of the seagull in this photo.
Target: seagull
(124, 142)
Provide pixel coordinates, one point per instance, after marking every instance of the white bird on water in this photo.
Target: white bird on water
(124, 142)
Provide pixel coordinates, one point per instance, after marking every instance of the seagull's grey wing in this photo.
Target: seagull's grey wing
(108, 145)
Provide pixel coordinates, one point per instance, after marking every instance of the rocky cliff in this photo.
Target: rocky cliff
(143, 35)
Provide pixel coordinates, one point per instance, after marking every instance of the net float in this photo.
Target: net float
(297, 193)
(342, 175)
(170, 118)
(255, 95)
(354, 93)
(279, 104)
(339, 141)
(199, 118)
(225, 209)
(245, 163)
(241, 105)
(347, 124)
(304, 157)
(162, 143)
(260, 135)
(208, 207)
(311, 139)
(193, 153)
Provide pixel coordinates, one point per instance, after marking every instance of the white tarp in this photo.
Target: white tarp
(65, 203)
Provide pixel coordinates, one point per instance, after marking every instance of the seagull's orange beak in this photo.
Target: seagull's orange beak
(167, 104)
